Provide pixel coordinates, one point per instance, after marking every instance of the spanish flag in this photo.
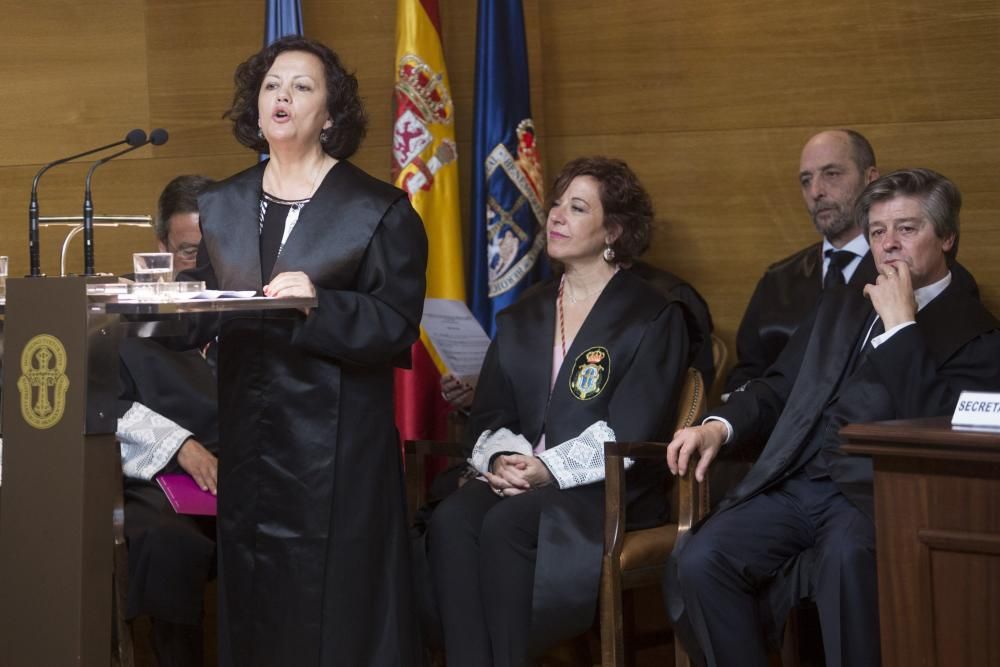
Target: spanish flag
(424, 164)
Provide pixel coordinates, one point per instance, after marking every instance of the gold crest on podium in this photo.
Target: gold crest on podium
(43, 382)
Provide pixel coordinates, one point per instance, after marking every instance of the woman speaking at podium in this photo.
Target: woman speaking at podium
(313, 566)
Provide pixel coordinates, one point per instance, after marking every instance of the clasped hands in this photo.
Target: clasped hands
(513, 474)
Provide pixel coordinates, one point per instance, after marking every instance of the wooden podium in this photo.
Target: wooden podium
(59, 464)
(937, 517)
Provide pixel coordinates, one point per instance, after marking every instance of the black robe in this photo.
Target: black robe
(919, 372)
(677, 288)
(646, 338)
(784, 296)
(313, 561)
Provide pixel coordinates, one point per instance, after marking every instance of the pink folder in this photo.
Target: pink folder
(185, 496)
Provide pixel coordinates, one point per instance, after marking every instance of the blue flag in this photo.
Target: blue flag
(507, 203)
(283, 17)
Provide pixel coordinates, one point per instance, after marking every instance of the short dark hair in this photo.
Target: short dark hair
(626, 203)
(344, 105)
(861, 150)
(940, 198)
(179, 196)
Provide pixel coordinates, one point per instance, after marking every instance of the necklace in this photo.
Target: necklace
(572, 294)
(312, 185)
(559, 304)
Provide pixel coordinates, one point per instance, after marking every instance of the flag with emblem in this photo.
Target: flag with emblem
(507, 183)
(424, 164)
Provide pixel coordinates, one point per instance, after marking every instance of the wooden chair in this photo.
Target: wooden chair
(637, 558)
(720, 355)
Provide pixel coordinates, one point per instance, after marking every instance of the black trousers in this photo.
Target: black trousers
(482, 558)
(171, 558)
(725, 565)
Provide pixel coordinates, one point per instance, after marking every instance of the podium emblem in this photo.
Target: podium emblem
(43, 382)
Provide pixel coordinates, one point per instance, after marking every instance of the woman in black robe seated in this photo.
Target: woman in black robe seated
(313, 558)
(594, 354)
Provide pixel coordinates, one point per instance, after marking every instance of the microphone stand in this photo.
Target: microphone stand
(135, 137)
(157, 137)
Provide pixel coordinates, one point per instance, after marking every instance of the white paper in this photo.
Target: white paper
(211, 294)
(456, 336)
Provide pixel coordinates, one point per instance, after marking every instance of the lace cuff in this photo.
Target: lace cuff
(148, 441)
(580, 460)
(491, 443)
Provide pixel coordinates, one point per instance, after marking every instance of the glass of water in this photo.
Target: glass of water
(153, 267)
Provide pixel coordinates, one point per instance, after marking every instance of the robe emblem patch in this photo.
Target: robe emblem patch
(591, 371)
(43, 382)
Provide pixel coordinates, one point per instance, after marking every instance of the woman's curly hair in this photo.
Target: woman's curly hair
(627, 206)
(346, 110)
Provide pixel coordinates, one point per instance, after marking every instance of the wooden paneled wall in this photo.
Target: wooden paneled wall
(710, 102)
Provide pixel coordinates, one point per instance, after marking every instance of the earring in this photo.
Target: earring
(323, 136)
(260, 133)
(609, 254)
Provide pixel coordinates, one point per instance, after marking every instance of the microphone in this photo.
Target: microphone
(134, 138)
(157, 137)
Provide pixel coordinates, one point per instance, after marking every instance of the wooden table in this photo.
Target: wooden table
(937, 516)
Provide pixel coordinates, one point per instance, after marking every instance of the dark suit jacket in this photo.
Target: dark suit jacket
(818, 385)
(784, 296)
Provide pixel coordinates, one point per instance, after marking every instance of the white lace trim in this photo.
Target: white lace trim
(148, 441)
(580, 460)
(491, 443)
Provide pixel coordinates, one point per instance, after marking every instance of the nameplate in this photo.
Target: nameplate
(977, 409)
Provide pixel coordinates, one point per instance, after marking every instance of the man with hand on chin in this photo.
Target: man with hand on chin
(903, 347)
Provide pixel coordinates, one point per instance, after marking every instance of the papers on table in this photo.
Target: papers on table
(221, 294)
(458, 340)
(167, 296)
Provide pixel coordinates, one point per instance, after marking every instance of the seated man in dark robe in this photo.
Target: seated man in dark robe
(168, 423)
(903, 347)
(834, 167)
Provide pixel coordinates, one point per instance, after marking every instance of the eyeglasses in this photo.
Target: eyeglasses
(187, 253)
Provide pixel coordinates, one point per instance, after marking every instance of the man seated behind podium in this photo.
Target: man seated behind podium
(169, 424)
(930, 340)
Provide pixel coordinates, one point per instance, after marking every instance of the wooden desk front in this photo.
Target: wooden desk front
(937, 515)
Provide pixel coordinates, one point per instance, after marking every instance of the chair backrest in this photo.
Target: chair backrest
(691, 402)
(692, 498)
(720, 354)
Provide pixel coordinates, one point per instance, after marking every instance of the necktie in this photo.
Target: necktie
(835, 271)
